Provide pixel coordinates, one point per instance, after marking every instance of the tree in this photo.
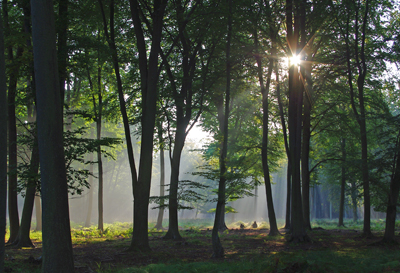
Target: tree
(266, 113)
(3, 146)
(223, 115)
(162, 178)
(149, 75)
(296, 9)
(359, 107)
(57, 246)
(12, 130)
(188, 41)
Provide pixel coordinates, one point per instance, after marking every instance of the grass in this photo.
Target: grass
(345, 253)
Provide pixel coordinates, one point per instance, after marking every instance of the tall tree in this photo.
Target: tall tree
(357, 54)
(218, 250)
(393, 195)
(162, 178)
(3, 146)
(342, 183)
(12, 130)
(57, 246)
(266, 112)
(184, 95)
(149, 74)
(295, 10)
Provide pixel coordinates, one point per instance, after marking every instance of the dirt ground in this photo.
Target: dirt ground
(238, 243)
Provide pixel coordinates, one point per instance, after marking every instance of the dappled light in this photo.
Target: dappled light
(199, 136)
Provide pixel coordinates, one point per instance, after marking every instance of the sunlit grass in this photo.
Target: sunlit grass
(340, 259)
(308, 261)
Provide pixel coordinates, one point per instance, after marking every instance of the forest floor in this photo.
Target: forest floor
(246, 250)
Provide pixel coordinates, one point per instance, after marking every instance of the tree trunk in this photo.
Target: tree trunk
(62, 49)
(13, 214)
(121, 99)
(360, 115)
(295, 123)
(162, 179)
(180, 135)
(354, 200)
(285, 138)
(38, 213)
(305, 157)
(149, 79)
(23, 239)
(264, 150)
(90, 194)
(218, 250)
(3, 146)
(288, 196)
(99, 160)
(57, 246)
(390, 227)
(343, 183)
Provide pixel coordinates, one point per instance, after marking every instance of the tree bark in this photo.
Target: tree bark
(38, 213)
(62, 50)
(90, 194)
(3, 146)
(218, 250)
(305, 157)
(180, 135)
(23, 239)
(149, 75)
(57, 246)
(162, 179)
(354, 200)
(285, 138)
(295, 123)
(121, 99)
(13, 214)
(390, 227)
(360, 114)
(264, 150)
(343, 183)
(99, 160)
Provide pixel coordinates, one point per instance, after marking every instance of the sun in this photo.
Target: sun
(295, 59)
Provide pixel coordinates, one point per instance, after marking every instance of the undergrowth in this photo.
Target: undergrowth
(366, 259)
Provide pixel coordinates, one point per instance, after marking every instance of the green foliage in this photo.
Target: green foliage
(76, 147)
(187, 194)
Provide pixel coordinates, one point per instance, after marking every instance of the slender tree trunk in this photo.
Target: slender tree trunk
(285, 138)
(360, 114)
(13, 214)
(121, 99)
(38, 213)
(295, 123)
(390, 227)
(342, 184)
(90, 195)
(264, 150)
(99, 160)
(305, 157)
(57, 246)
(162, 179)
(23, 239)
(218, 250)
(62, 50)
(149, 72)
(180, 135)
(354, 200)
(288, 197)
(3, 146)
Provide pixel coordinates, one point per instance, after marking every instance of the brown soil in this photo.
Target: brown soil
(238, 244)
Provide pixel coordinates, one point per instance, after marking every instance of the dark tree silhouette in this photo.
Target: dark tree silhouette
(57, 246)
